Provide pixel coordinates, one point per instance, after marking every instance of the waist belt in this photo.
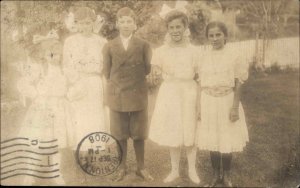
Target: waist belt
(217, 91)
(173, 79)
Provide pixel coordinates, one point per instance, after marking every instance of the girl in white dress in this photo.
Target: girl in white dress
(49, 117)
(83, 65)
(174, 118)
(222, 129)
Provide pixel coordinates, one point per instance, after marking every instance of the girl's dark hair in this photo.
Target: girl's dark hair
(175, 14)
(217, 24)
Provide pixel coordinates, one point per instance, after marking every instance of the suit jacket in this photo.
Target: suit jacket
(126, 72)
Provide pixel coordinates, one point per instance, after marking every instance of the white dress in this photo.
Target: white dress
(174, 118)
(217, 70)
(49, 117)
(82, 59)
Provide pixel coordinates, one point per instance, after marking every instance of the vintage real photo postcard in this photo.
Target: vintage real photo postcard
(195, 93)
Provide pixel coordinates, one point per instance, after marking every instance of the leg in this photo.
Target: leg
(139, 146)
(29, 180)
(215, 158)
(119, 122)
(175, 159)
(122, 168)
(139, 153)
(138, 127)
(191, 156)
(57, 159)
(226, 161)
(123, 144)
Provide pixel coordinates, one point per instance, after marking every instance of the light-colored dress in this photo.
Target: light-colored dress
(174, 118)
(82, 60)
(218, 70)
(49, 117)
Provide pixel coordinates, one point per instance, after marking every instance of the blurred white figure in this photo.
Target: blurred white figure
(49, 116)
(179, 5)
(70, 23)
(82, 61)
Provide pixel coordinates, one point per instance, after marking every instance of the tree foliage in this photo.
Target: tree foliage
(32, 17)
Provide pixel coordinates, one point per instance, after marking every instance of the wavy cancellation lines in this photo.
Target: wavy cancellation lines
(29, 157)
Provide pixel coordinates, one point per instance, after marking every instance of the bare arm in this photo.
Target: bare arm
(237, 93)
(199, 100)
(234, 112)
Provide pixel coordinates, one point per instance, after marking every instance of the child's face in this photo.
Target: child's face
(53, 56)
(126, 25)
(216, 37)
(85, 26)
(176, 29)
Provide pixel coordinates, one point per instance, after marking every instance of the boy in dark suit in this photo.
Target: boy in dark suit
(126, 64)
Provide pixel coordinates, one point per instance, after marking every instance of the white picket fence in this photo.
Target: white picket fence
(283, 51)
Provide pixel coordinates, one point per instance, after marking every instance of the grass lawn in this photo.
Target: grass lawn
(271, 158)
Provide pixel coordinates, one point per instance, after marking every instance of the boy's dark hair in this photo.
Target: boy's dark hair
(126, 11)
(175, 14)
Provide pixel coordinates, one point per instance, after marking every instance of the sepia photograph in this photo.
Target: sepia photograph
(150, 93)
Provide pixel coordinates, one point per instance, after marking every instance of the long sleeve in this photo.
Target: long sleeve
(106, 61)
(147, 57)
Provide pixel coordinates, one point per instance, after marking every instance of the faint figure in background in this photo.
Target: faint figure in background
(82, 61)
(50, 115)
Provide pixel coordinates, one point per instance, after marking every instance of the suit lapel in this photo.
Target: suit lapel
(121, 52)
(120, 46)
(131, 47)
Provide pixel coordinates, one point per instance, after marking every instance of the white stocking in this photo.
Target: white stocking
(191, 155)
(175, 158)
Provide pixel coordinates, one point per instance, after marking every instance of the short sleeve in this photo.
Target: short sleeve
(241, 69)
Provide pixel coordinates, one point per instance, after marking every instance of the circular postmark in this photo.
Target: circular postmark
(99, 154)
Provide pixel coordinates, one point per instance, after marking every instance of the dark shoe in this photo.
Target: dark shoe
(120, 175)
(144, 174)
(216, 179)
(226, 179)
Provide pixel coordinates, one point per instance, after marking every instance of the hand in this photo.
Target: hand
(155, 76)
(234, 114)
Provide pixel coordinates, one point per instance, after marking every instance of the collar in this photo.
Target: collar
(125, 38)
